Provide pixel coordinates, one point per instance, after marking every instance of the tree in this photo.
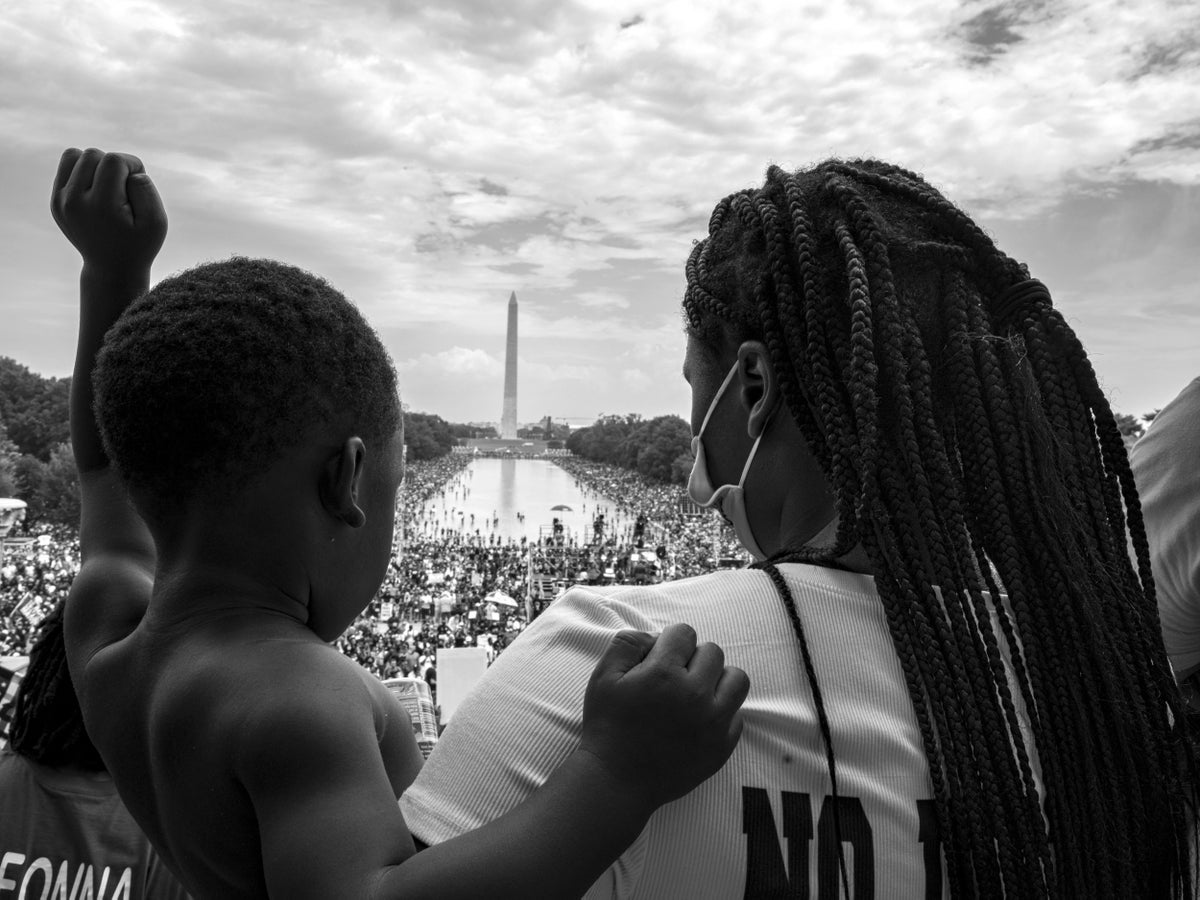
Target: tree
(427, 436)
(681, 467)
(607, 440)
(8, 464)
(35, 409)
(577, 439)
(659, 449)
(50, 488)
(61, 490)
(659, 442)
(31, 475)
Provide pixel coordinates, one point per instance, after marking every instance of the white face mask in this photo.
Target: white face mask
(731, 497)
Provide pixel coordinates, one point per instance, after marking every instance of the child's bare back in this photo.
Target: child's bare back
(196, 708)
(253, 417)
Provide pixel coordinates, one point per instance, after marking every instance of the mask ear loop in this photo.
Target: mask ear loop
(716, 397)
(754, 449)
(698, 446)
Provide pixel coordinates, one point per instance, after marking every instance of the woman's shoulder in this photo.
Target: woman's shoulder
(705, 600)
(746, 578)
(680, 590)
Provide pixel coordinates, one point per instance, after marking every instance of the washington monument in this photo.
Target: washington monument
(508, 419)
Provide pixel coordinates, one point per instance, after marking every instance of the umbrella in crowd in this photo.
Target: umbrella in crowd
(500, 599)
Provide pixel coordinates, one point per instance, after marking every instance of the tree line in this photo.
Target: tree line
(37, 465)
(36, 462)
(658, 449)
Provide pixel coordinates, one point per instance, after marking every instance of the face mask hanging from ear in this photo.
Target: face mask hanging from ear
(731, 497)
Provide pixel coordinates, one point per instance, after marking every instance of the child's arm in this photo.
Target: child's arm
(108, 208)
(660, 717)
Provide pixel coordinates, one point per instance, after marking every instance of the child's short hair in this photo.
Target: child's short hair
(210, 377)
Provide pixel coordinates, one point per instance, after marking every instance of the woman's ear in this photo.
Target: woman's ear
(341, 477)
(758, 388)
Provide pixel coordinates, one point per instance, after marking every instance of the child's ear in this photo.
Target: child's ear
(341, 477)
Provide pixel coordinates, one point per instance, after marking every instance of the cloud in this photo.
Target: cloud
(463, 362)
(601, 300)
(1180, 51)
(559, 371)
(995, 29)
(430, 158)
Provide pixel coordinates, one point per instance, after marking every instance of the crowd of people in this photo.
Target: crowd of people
(39, 563)
(452, 590)
(699, 541)
(458, 583)
(446, 586)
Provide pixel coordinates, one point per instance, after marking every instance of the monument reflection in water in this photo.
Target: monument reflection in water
(496, 491)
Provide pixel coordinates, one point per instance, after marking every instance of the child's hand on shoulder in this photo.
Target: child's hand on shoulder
(108, 208)
(662, 715)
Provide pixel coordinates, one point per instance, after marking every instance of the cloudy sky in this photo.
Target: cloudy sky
(430, 158)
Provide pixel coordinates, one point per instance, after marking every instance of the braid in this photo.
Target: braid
(836, 412)
(47, 725)
(909, 472)
(822, 717)
(978, 464)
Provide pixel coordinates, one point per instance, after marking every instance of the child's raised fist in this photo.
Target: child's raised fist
(109, 209)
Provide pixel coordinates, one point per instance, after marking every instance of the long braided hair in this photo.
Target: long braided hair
(975, 458)
(47, 724)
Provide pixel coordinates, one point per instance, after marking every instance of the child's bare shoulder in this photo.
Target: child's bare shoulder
(234, 675)
(266, 669)
(287, 681)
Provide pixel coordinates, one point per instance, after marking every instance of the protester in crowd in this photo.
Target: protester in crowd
(63, 829)
(1166, 467)
(253, 418)
(958, 684)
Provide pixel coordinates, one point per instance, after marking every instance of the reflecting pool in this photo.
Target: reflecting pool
(511, 498)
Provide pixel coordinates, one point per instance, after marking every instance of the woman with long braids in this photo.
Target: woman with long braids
(958, 685)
